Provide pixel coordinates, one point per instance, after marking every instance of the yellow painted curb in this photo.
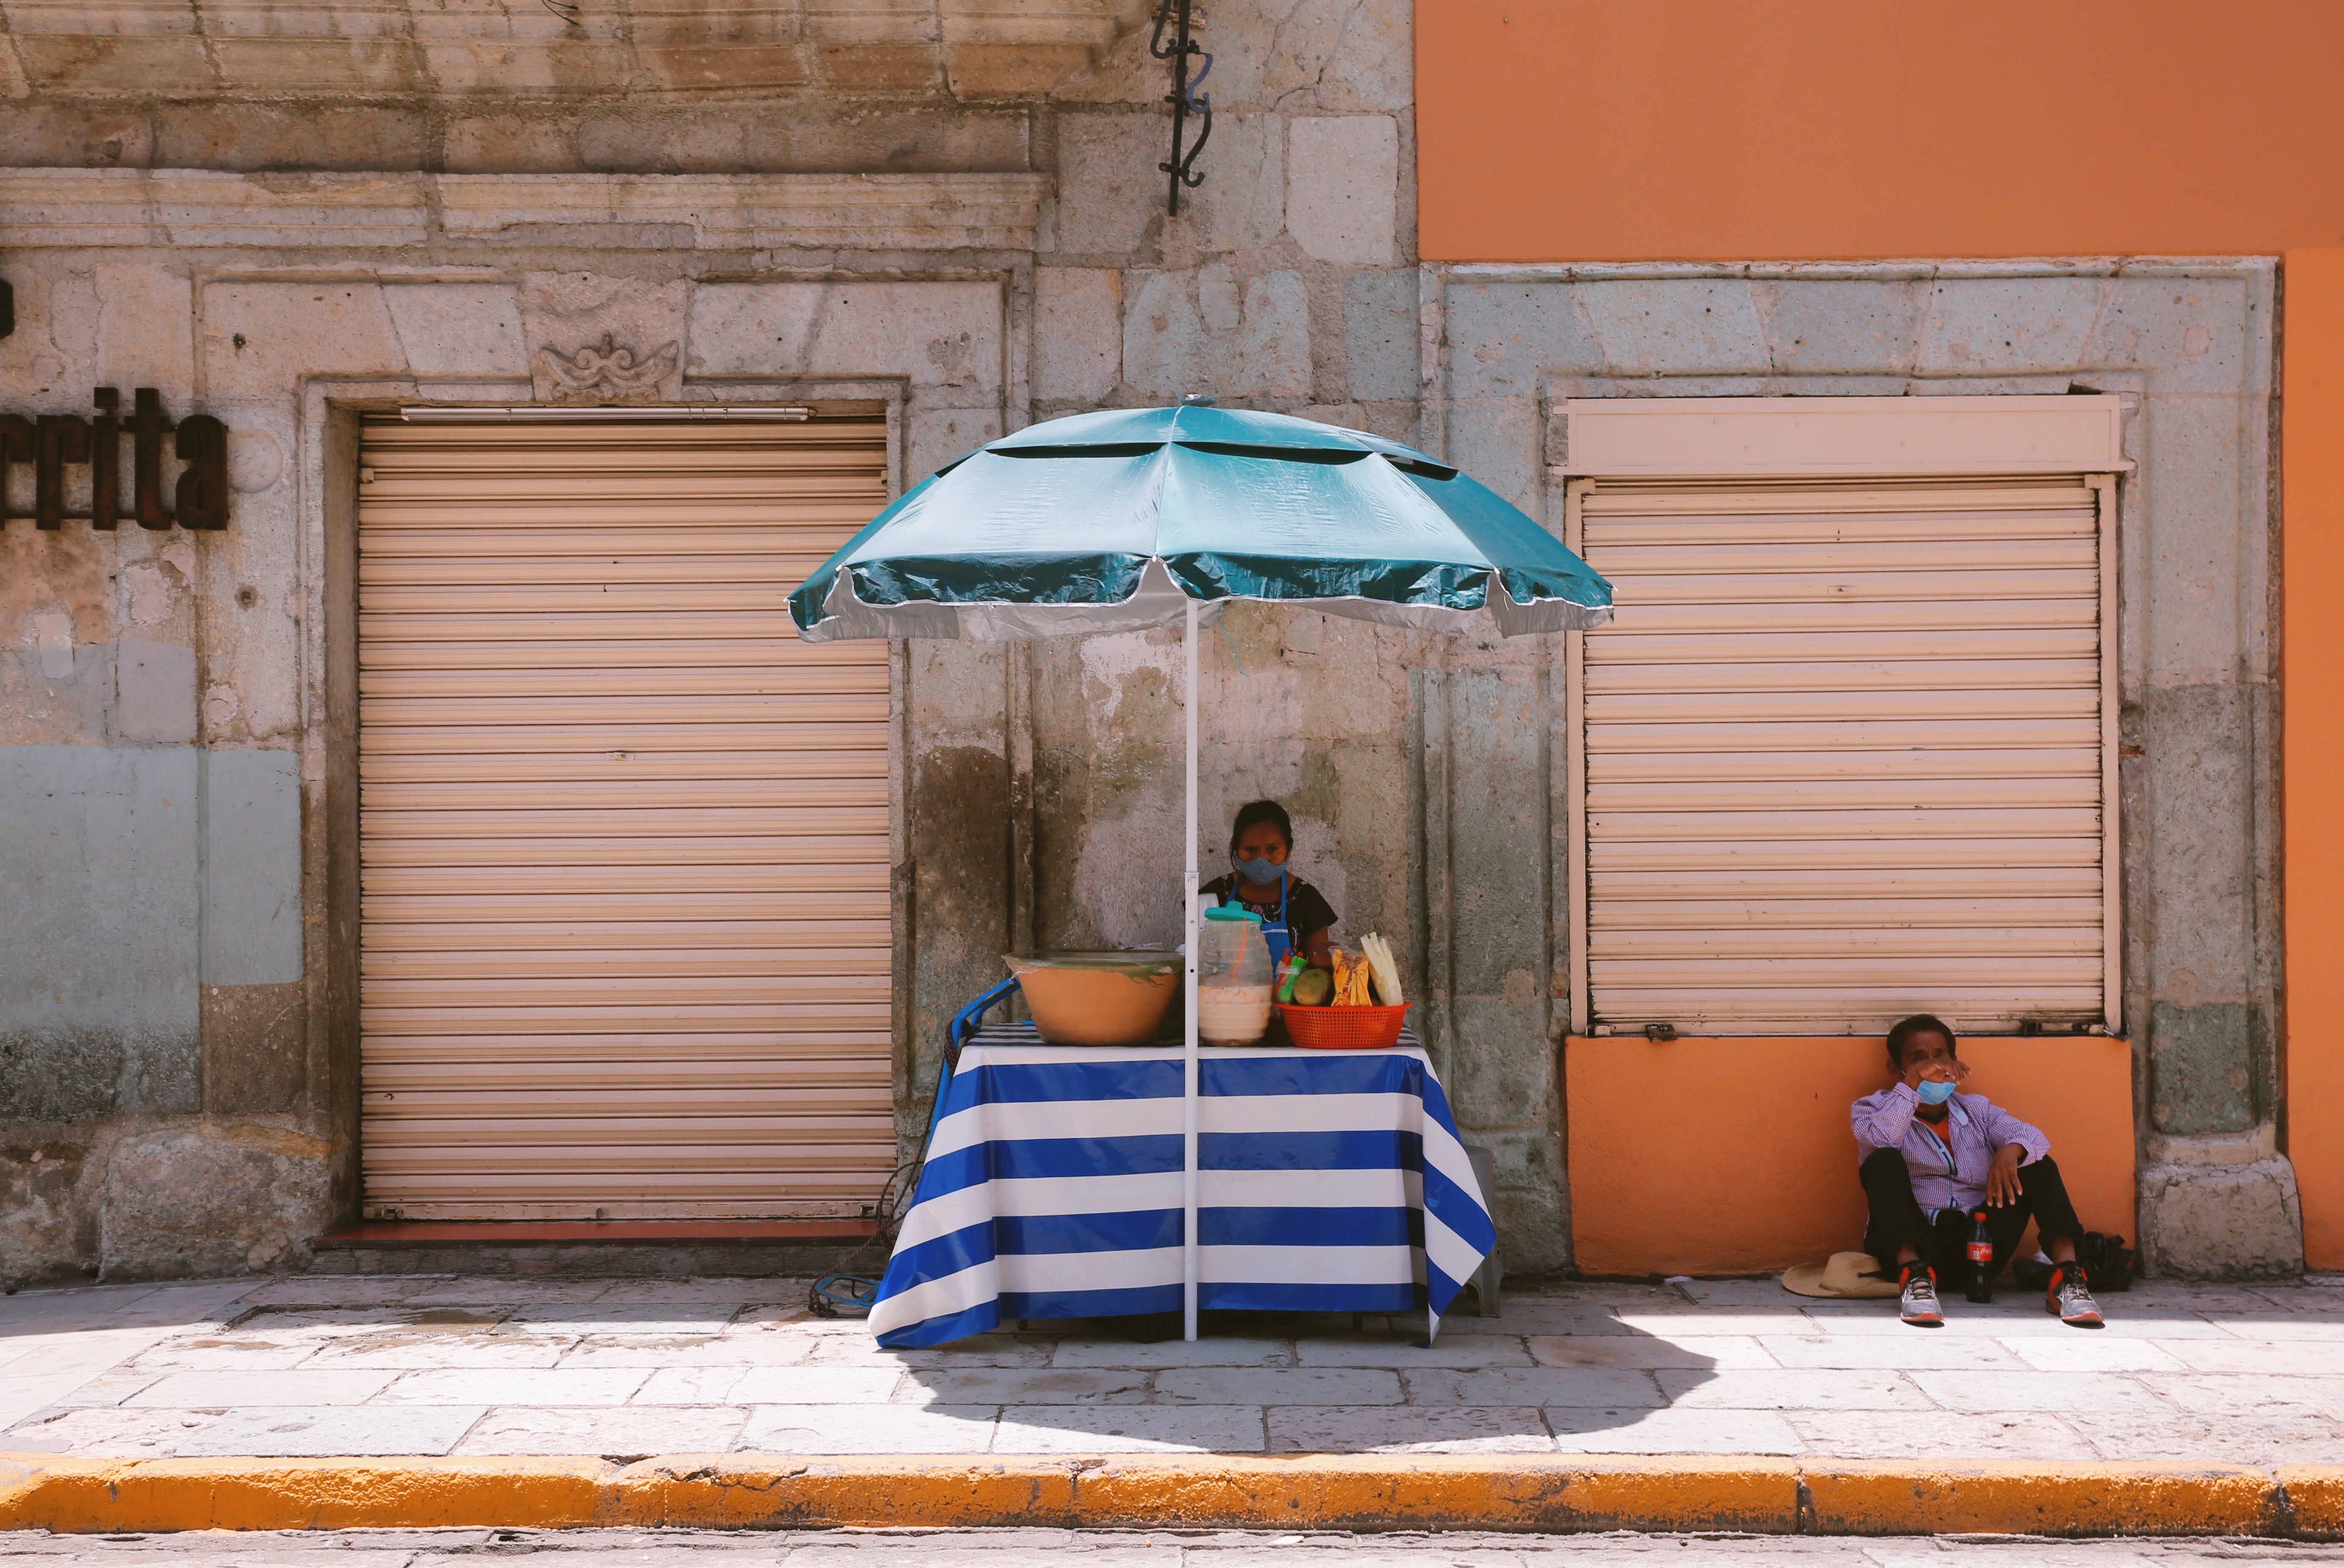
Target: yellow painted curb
(2315, 1500)
(2022, 1498)
(1236, 1491)
(1311, 1491)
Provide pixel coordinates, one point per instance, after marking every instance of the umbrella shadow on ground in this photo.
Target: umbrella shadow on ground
(1547, 1376)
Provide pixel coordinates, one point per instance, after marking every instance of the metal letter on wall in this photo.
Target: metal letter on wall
(50, 443)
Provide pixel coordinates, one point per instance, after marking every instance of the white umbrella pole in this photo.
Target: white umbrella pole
(1188, 1042)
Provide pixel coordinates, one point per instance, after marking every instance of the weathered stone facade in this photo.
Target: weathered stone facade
(284, 216)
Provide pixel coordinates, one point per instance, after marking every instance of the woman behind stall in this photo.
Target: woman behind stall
(1294, 915)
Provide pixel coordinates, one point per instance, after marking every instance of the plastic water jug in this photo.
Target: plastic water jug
(1232, 978)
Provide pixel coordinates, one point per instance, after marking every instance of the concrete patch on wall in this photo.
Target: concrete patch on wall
(252, 868)
(154, 691)
(98, 1010)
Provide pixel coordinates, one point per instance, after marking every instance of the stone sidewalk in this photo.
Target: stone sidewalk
(425, 1365)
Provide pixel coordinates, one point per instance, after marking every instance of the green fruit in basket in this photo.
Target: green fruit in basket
(1313, 987)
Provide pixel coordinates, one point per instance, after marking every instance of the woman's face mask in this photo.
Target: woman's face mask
(1260, 873)
(1934, 1091)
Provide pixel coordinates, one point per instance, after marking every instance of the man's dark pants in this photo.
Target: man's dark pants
(1943, 1243)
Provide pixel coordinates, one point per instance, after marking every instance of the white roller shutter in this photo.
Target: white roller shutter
(623, 838)
(1845, 754)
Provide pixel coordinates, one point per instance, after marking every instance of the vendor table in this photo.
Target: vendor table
(1329, 1181)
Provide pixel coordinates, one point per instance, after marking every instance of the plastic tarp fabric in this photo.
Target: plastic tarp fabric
(1114, 521)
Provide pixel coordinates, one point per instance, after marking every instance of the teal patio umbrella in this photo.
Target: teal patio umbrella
(1132, 517)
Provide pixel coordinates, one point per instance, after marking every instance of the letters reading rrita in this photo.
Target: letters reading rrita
(50, 441)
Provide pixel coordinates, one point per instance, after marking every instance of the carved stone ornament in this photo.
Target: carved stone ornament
(608, 373)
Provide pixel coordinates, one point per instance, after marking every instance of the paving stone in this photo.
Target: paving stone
(516, 1386)
(1024, 1386)
(86, 1351)
(1131, 1429)
(2268, 1438)
(667, 1320)
(305, 1432)
(1585, 1318)
(698, 1350)
(1881, 1353)
(1278, 1386)
(1690, 1324)
(985, 1350)
(821, 1386)
(1884, 1434)
(689, 1386)
(2092, 1353)
(1578, 1431)
(1806, 1388)
(219, 1390)
(112, 1389)
(344, 1323)
(1739, 1295)
(2286, 1327)
(412, 1352)
(1643, 1351)
(208, 1355)
(2229, 1355)
(1409, 1429)
(787, 1294)
(1383, 1350)
(2234, 1393)
(1958, 1324)
(505, 1291)
(868, 1429)
(637, 1432)
(107, 1433)
(1622, 1388)
(341, 1289)
(2063, 1393)
(1203, 1352)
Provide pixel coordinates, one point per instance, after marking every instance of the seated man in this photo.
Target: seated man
(1934, 1158)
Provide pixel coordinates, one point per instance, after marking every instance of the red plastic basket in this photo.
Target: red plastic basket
(1342, 1028)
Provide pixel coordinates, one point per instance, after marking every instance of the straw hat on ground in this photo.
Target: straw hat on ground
(1848, 1275)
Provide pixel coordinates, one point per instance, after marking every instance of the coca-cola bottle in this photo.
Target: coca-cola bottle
(1981, 1258)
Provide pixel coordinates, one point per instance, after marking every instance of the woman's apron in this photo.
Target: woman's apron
(1277, 933)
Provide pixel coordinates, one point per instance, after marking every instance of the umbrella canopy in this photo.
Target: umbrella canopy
(1118, 520)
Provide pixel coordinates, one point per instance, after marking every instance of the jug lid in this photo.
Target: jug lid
(1224, 912)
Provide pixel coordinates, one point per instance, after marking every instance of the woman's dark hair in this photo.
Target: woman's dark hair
(1261, 811)
(1918, 1024)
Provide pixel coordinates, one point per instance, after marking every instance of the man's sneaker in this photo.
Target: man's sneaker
(2071, 1298)
(1918, 1304)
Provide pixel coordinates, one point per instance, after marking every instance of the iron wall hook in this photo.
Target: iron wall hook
(1179, 16)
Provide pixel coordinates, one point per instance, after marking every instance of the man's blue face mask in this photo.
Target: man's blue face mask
(1260, 872)
(1933, 1092)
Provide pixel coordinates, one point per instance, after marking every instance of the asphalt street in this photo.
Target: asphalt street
(1110, 1549)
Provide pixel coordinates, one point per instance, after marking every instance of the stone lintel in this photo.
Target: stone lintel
(196, 208)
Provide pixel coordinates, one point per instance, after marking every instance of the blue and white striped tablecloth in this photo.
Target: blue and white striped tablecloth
(1329, 1181)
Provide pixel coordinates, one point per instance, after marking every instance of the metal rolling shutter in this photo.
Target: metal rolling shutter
(623, 838)
(1846, 753)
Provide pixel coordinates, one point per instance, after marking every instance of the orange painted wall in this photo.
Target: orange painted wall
(1650, 1193)
(1591, 130)
(2312, 669)
(1796, 130)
